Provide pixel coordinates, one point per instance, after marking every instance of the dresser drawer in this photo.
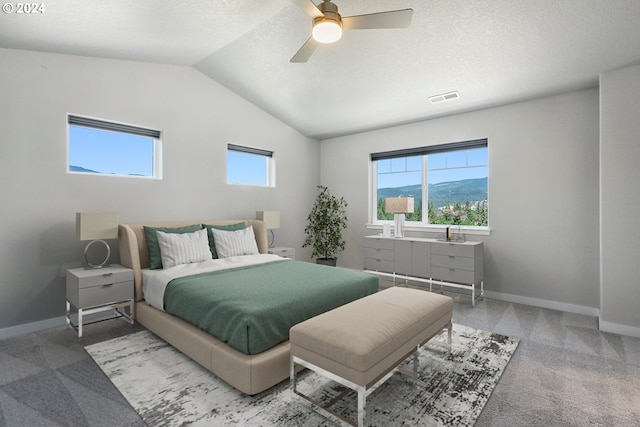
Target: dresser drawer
(453, 249)
(452, 275)
(379, 243)
(379, 265)
(379, 253)
(452, 261)
(99, 295)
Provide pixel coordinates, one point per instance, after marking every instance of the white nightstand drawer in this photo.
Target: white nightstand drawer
(104, 294)
(283, 252)
(87, 278)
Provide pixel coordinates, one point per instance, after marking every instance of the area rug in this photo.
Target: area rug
(168, 389)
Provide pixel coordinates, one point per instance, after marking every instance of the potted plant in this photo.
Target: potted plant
(324, 227)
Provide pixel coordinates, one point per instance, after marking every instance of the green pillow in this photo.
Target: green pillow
(155, 259)
(230, 227)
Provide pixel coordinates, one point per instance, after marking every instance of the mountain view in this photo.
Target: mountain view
(73, 168)
(444, 193)
(447, 202)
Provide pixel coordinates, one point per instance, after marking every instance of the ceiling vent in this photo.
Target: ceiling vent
(444, 97)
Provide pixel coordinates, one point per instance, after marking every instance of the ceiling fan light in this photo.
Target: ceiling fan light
(326, 30)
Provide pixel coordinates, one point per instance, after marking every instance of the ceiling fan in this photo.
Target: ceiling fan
(328, 24)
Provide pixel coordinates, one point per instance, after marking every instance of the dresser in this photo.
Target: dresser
(431, 261)
(92, 290)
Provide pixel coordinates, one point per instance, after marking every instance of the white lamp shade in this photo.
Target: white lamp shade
(270, 218)
(398, 204)
(96, 225)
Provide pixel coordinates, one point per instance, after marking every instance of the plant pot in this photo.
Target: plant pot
(326, 261)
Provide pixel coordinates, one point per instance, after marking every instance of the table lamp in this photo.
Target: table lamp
(398, 206)
(96, 226)
(271, 220)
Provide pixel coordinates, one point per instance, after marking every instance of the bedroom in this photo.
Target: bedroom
(579, 262)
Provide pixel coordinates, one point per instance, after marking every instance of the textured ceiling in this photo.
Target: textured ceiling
(491, 51)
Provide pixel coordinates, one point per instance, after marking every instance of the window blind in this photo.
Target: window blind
(249, 150)
(430, 149)
(116, 127)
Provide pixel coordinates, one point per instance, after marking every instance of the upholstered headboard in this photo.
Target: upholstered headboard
(134, 252)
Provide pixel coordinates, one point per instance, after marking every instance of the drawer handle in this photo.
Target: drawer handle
(452, 269)
(451, 256)
(107, 274)
(107, 285)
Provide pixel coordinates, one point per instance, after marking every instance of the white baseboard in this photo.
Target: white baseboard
(616, 328)
(543, 303)
(27, 328)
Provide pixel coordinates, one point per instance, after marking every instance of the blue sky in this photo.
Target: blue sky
(246, 168)
(110, 152)
(443, 167)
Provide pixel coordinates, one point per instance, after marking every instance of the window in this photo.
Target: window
(250, 166)
(114, 149)
(451, 178)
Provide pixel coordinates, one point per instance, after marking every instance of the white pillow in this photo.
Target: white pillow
(237, 242)
(176, 248)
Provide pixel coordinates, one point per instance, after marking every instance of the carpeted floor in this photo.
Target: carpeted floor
(168, 389)
(564, 373)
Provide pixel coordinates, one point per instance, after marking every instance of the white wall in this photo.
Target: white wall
(620, 203)
(197, 117)
(543, 186)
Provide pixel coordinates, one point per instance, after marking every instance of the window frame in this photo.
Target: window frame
(270, 167)
(375, 223)
(117, 127)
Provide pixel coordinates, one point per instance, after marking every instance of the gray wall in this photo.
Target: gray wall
(543, 186)
(197, 117)
(619, 193)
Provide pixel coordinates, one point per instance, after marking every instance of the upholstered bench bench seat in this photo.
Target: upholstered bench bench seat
(359, 344)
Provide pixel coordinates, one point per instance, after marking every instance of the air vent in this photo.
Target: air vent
(444, 97)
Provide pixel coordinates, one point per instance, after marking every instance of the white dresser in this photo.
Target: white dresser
(453, 264)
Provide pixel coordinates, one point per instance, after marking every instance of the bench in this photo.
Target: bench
(360, 344)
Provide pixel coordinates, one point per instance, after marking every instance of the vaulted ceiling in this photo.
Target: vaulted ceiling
(491, 51)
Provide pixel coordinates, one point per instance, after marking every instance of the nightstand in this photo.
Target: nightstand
(283, 252)
(92, 290)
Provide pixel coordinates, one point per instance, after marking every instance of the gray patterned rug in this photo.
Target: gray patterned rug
(168, 389)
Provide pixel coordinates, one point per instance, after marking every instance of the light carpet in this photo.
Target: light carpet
(168, 389)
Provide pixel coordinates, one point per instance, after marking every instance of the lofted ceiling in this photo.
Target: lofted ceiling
(492, 52)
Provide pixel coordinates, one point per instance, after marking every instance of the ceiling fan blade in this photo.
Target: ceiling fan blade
(391, 19)
(303, 54)
(308, 7)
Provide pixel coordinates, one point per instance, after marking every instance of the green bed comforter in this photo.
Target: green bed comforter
(253, 308)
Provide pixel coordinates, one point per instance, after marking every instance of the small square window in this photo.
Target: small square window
(250, 166)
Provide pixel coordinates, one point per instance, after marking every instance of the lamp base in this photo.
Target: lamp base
(106, 259)
(398, 230)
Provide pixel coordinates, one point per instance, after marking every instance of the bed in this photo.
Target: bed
(243, 354)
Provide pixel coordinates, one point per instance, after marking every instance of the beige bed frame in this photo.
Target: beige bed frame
(251, 374)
